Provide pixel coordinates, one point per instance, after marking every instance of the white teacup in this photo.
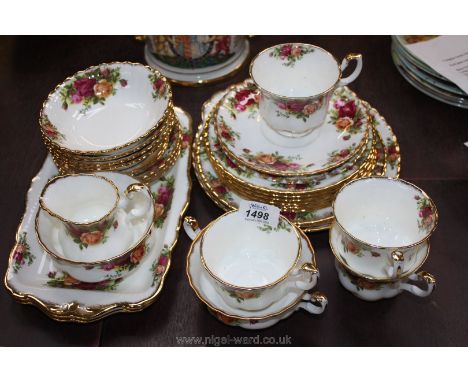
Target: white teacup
(87, 205)
(296, 81)
(382, 227)
(253, 266)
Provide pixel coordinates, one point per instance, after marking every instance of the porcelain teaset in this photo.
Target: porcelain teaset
(97, 239)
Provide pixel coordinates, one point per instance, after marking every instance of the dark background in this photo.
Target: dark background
(431, 136)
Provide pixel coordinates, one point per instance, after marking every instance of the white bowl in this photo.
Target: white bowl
(105, 108)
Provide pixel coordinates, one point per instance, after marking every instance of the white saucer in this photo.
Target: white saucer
(196, 77)
(267, 317)
(240, 130)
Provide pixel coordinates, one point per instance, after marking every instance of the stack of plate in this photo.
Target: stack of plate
(422, 76)
(237, 156)
(112, 117)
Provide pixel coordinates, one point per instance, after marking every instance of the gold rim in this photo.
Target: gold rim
(295, 43)
(382, 178)
(169, 106)
(76, 312)
(233, 156)
(58, 177)
(300, 193)
(158, 141)
(369, 277)
(225, 283)
(100, 262)
(212, 307)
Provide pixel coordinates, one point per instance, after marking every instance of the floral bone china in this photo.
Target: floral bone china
(257, 265)
(383, 226)
(240, 132)
(294, 299)
(94, 111)
(82, 225)
(296, 81)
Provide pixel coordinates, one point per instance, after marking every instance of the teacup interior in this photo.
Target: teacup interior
(311, 73)
(240, 254)
(81, 199)
(383, 212)
(123, 116)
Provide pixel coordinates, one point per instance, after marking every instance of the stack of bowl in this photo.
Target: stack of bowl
(292, 135)
(380, 237)
(245, 271)
(112, 117)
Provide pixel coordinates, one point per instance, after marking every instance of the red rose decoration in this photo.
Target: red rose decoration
(286, 50)
(347, 110)
(426, 212)
(85, 87)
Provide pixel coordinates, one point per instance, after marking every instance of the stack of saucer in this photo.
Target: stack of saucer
(112, 117)
(260, 153)
(381, 242)
(422, 76)
(253, 292)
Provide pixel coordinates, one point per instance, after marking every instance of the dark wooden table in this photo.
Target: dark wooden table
(431, 136)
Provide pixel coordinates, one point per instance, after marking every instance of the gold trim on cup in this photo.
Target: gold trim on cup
(61, 218)
(214, 308)
(225, 283)
(398, 180)
(370, 277)
(110, 260)
(303, 44)
(149, 132)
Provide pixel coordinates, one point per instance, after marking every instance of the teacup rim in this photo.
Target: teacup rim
(397, 180)
(98, 262)
(243, 288)
(262, 89)
(64, 220)
(145, 135)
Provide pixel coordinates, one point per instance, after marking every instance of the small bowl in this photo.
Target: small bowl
(252, 266)
(106, 109)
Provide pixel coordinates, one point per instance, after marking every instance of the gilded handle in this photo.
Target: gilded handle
(398, 261)
(344, 64)
(191, 227)
(133, 188)
(425, 277)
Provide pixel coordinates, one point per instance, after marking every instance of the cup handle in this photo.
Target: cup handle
(306, 269)
(135, 209)
(349, 57)
(191, 227)
(397, 266)
(314, 303)
(428, 279)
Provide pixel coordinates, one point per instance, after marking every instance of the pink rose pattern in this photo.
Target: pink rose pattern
(91, 88)
(64, 280)
(245, 99)
(163, 200)
(275, 161)
(160, 87)
(50, 131)
(290, 53)
(337, 156)
(159, 267)
(298, 109)
(425, 213)
(346, 116)
(22, 254)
